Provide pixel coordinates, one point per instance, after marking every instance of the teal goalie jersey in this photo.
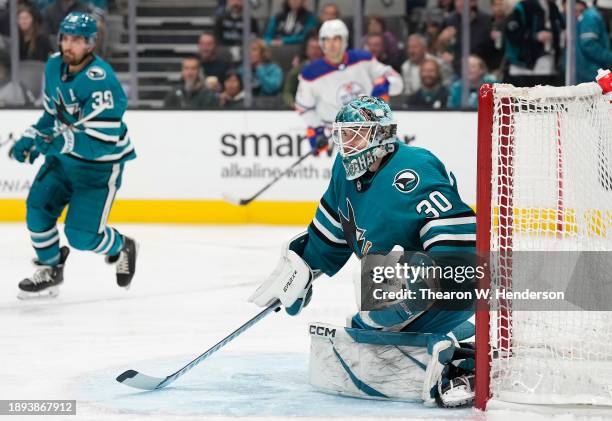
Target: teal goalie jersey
(410, 201)
(69, 98)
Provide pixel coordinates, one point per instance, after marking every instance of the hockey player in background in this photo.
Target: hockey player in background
(325, 85)
(382, 194)
(85, 143)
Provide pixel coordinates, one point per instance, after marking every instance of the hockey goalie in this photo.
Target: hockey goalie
(383, 196)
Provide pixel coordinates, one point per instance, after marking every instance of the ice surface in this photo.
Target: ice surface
(190, 290)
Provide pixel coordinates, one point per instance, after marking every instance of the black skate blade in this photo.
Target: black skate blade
(138, 380)
(46, 294)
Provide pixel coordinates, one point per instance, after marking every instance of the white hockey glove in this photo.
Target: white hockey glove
(291, 283)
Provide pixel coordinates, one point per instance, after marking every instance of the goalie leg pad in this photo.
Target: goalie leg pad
(377, 365)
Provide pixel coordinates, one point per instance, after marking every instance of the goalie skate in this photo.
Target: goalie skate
(458, 392)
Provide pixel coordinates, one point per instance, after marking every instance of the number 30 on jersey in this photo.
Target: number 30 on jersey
(436, 204)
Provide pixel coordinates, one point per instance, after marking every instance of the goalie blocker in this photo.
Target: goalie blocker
(403, 366)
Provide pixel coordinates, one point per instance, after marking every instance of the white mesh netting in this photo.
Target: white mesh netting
(551, 191)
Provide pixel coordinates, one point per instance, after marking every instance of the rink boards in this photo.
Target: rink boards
(188, 159)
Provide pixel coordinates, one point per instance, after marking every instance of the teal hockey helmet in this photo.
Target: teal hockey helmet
(363, 132)
(79, 24)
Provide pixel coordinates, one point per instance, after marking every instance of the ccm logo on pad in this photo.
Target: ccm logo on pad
(322, 331)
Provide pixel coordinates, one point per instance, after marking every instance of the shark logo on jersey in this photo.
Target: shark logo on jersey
(96, 73)
(66, 113)
(355, 236)
(348, 91)
(406, 181)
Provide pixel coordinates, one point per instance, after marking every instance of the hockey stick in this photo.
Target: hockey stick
(141, 381)
(62, 129)
(242, 202)
(228, 197)
(85, 119)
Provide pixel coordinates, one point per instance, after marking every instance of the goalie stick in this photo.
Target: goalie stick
(141, 381)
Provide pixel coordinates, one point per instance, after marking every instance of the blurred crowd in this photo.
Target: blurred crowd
(520, 42)
(38, 22)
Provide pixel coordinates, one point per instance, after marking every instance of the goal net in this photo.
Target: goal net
(544, 211)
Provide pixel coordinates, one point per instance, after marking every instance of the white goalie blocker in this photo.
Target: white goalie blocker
(377, 365)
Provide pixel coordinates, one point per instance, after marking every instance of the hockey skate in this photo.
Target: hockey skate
(125, 261)
(456, 393)
(45, 281)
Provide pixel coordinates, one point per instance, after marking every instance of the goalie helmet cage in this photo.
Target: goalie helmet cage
(544, 183)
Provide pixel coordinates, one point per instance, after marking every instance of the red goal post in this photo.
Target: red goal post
(544, 183)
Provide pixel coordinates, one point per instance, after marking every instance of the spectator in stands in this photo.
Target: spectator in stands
(444, 48)
(432, 94)
(376, 26)
(232, 95)
(431, 24)
(12, 94)
(228, 26)
(533, 32)
(214, 68)
(191, 92)
(312, 51)
(416, 49)
(477, 75)
(267, 76)
(592, 43)
(480, 33)
(375, 44)
(33, 43)
(53, 14)
(329, 11)
(498, 21)
(291, 25)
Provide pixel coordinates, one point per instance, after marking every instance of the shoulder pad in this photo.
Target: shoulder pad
(355, 56)
(316, 69)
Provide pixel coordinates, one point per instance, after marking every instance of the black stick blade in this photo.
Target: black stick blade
(138, 380)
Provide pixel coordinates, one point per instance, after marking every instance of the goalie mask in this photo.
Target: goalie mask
(363, 132)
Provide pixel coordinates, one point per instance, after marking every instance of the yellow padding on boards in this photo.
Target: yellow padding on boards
(189, 212)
